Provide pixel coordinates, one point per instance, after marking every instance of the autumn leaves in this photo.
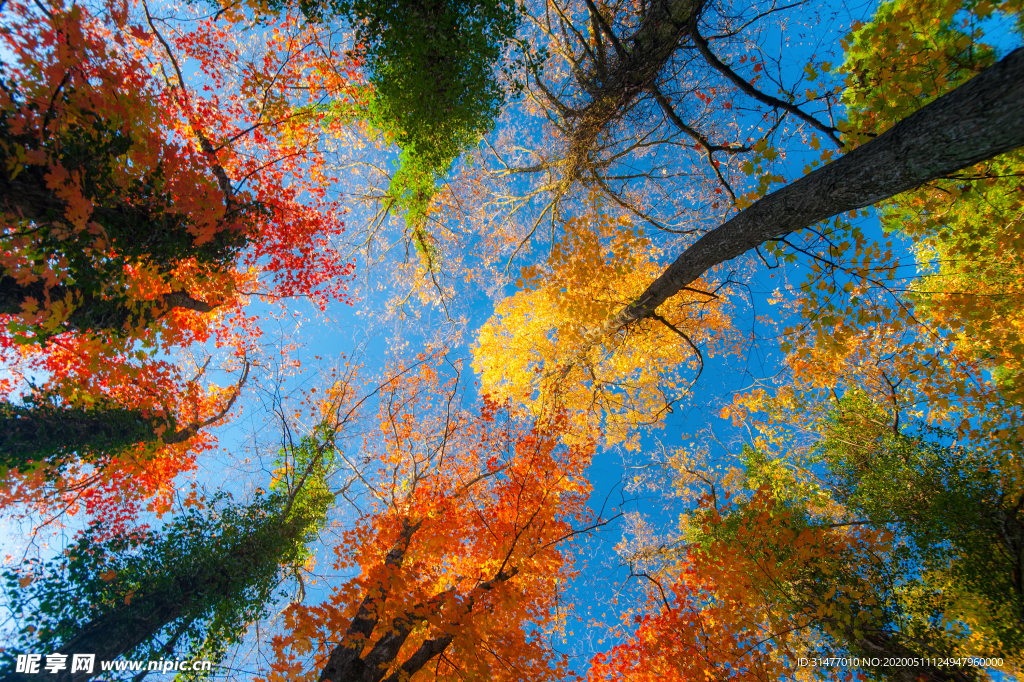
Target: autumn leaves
(610, 389)
(170, 175)
(129, 235)
(466, 535)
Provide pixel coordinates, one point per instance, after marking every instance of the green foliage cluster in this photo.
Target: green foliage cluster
(912, 52)
(952, 573)
(302, 473)
(962, 517)
(196, 584)
(432, 65)
(966, 231)
(190, 589)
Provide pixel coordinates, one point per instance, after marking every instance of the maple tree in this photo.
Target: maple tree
(865, 541)
(914, 152)
(461, 546)
(964, 228)
(139, 217)
(885, 378)
(91, 186)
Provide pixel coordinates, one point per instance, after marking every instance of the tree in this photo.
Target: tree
(963, 228)
(855, 439)
(140, 214)
(165, 165)
(194, 586)
(956, 130)
(432, 83)
(868, 543)
(156, 223)
(754, 588)
(609, 391)
(962, 515)
(91, 186)
(638, 105)
(461, 548)
(47, 433)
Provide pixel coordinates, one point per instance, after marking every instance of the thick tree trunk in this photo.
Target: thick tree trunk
(612, 89)
(42, 432)
(93, 312)
(345, 662)
(52, 434)
(975, 122)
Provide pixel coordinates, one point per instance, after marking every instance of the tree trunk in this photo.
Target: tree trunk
(94, 312)
(347, 663)
(120, 631)
(612, 89)
(977, 121)
(52, 434)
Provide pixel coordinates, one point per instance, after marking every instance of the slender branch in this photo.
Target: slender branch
(192, 429)
(745, 86)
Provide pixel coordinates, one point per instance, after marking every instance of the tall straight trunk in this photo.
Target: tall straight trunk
(51, 434)
(977, 121)
(122, 629)
(43, 433)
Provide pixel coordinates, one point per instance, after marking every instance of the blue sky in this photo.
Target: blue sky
(372, 335)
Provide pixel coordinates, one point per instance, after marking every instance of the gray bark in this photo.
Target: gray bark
(613, 88)
(977, 121)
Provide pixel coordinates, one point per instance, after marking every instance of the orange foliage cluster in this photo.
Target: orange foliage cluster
(465, 532)
(748, 601)
(218, 144)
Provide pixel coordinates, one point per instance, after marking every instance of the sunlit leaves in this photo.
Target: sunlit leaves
(534, 352)
(467, 513)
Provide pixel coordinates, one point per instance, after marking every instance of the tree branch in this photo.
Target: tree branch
(746, 87)
(977, 121)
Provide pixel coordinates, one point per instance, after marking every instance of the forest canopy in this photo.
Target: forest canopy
(363, 341)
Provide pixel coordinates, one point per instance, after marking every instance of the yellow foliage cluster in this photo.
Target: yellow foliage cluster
(536, 351)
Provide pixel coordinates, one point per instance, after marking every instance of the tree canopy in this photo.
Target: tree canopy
(357, 341)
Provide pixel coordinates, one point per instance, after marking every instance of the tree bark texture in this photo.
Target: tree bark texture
(638, 61)
(977, 121)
